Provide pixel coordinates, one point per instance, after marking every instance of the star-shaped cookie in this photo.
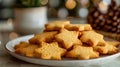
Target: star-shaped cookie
(107, 48)
(79, 27)
(68, 38)
(114, 43)
(82, 52)
(27, 50)
(43, 37)
(50, 51)
(91, 37)
(22, 44)
(56, 25)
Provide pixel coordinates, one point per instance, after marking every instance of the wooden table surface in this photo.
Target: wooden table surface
(6, 60)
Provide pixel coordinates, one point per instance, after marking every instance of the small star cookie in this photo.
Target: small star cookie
(114, 43)
(56, 25)
(21, 45)
(107, 48)
(91, 37)
(43, 37)
(27, 51)
(82, 52)
(50, 51)
(68, 38)
(79, 27)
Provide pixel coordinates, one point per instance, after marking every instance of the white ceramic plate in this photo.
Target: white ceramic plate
(64, 62)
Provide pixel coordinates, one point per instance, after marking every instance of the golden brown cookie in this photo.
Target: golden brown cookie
(68, 38)
(50, 51)
(43, 37)
(114, 43)
(79, 27)
(56, 25)
(82, 52)
(107, 48)
(27, 51)
(91, 37)
(22, 44)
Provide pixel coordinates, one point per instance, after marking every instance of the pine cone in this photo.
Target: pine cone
(109, 22)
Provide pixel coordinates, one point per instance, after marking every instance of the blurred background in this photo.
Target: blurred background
(56, 8)
(103, 15)
(68, 8)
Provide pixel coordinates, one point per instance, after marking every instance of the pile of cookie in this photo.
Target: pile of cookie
(61, 39)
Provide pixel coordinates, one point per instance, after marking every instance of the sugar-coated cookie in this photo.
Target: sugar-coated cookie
(91, 37)
(43, 37)
(56, 25)
(68, 38)
(26, 50)
(22, 44)
(114, 43)
(82, 52)
(79, 27)
(50, 51)
(107, 48)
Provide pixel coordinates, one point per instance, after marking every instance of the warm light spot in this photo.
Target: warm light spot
(103, 7)
(70, 4)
